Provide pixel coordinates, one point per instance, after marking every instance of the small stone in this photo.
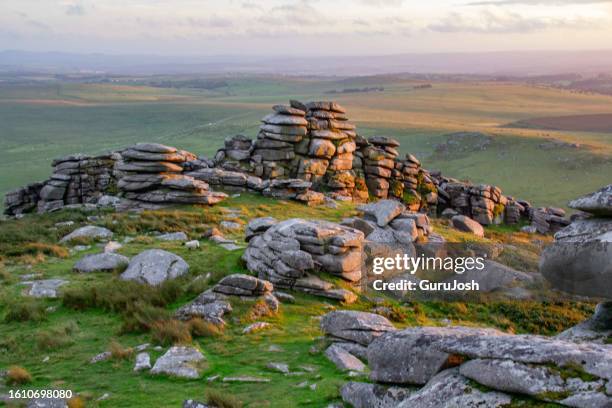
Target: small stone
(280, 367)
(143, 362)
(255, 327)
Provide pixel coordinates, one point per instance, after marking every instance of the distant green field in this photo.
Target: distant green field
(41, 122)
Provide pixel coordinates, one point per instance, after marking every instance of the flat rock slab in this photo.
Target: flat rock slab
(179, 361)
(229, 246)
(88, 232)
(598, 203)
(173, 236)
(466, 224)
(105, 262)
(143, 362)
(246, 379)
(46, 288)
(355, 326)
(384, 211)
(47, 403)
(451, 389)
(256, 327)
(366, 395)
(343, 359)
(154, 267)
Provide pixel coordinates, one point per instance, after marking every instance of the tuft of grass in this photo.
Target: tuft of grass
(17, 375)
(140, 316)
(258, 310)
(170, 332)
(118, 352)
(201, 328)
(24, 310)
(222, 399)
(56, 338)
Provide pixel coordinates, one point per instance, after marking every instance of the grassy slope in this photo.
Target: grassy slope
(295, 328)
(60, 119)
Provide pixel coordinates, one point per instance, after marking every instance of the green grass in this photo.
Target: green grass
(71, 335)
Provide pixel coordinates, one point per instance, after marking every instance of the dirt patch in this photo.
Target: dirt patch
(578, 123)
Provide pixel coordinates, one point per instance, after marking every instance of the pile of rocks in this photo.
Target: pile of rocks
(291, 254)
(293, 189)
(547, 219)
(414, 185)
(236, 154)
(23, 199)
(545, 369)
(227, 179)
(151, 173)
(483, 203)
(213, 304)
(378, 164)
(275, 145)
(76, 179)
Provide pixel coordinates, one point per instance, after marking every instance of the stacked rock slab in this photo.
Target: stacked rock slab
(379, 163)
(548, 219)
(326, 157)
(22, 200)
(236, 154)
(274, 149)
(291, 254)
(150, 173)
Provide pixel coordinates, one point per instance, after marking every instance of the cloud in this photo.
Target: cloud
(75, 9)
(381, 3)
(211, 22)
(250, 6)
(535, 2)
(489, 22)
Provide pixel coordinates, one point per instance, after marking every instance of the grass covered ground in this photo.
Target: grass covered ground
(43, 121)
(96, 312)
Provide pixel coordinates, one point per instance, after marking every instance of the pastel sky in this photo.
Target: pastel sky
(303, 27)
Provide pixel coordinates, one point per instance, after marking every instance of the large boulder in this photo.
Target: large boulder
(580, 259)
(179, 361)
(89, 232)
(105, 262)
(598, 203)
(466, 224)
(355, 326)
(493, 276)
(383, 211)
(155, 266)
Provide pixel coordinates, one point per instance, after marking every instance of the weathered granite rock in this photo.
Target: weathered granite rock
(580, 259)
(143, 362)
(207, 306)
(596, 329)
(105, 262)
(366, 395)
(179, 361)
(173, 236)
(466, 224)
(155, 266)
(384, 211)
(288, 252)
(598, 203)
(415, 355)
(90, 232)
(492, 277)
(355, 326)
(243, 285)
(450, 389)
(343, 359)
(537, 381)
(46, 288)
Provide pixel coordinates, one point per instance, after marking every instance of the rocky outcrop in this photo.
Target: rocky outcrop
(155, 266)
(291, 253)
(547, 369)
(598, 203)
(151, 173)
(366, 395)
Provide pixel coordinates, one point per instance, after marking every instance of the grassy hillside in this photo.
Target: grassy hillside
(55, 339)
(43, 121)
